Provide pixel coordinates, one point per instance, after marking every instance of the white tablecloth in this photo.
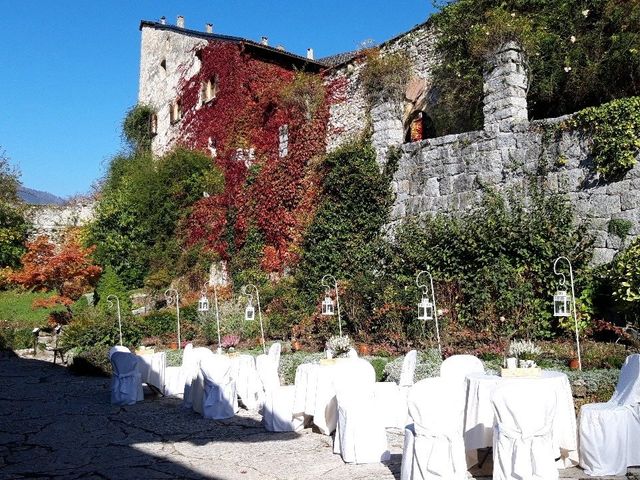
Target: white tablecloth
(315, 395)
(479, 416)
(248, 385)
(152, 369)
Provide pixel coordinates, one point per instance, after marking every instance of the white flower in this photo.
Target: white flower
(567, 69)
(573, 39)
(339, 345)
(585, 12)
(513, 14)
(519, 347)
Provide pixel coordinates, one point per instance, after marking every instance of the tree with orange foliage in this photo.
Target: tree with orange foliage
(67, 270)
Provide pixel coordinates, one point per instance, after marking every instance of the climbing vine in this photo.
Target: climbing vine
(614, 129)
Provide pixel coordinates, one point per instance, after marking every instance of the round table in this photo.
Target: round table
(479, 415)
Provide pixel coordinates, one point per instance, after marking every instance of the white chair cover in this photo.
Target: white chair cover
(219, 399)
(433, 444)
(277, 410)
(522, 439)
(408, 369)
(610, 432)
(360, 434)
(194, 385)
(118, 348)
(457, 367)
(391, 398)
(175, 377)
(352, 353)
(274, 354)
(126, 383)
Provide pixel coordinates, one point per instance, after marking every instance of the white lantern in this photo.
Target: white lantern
(425, 309)
(249, 313)
(561, 307)
(203, 304)
(327, 306)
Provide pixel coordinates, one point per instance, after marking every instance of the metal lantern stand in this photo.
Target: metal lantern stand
(250, 312)
(427, 309)
(169, 295)
(561, 303)
(203, 306)
(327, 304)
(110, 302)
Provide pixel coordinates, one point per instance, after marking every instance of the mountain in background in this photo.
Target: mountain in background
(38, 197)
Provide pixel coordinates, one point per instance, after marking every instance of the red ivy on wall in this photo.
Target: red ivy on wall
(277, 195)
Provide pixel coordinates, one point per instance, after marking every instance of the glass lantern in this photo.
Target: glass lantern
(561, 306)
(425, 309)
(249, 313)
(203, 304)
(327, 306)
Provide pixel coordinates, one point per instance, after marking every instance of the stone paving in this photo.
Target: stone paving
(57, 425)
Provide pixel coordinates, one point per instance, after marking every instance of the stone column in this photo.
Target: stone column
(386, 118)
(505, 89)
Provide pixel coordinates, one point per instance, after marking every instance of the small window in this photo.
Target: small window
(283, 137)
(421, 127)
(175, 114)
(209, 89)
(153, 124)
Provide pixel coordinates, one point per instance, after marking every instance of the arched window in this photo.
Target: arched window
(420, 127)
(175, 112)
(209, 89)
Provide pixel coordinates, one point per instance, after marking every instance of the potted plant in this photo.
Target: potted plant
(526, 352)
(229, 343)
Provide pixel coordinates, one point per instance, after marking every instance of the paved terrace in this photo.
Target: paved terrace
(57, 425)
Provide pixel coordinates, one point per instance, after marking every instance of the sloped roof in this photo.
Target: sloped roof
(265, 50)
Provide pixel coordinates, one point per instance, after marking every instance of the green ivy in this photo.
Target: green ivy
(626, 275)
(615, 132)
(620, 227)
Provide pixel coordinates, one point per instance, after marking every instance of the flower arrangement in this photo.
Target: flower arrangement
(525, 351)
(339, 346)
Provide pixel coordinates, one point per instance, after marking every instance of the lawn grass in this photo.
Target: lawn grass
(15, 308)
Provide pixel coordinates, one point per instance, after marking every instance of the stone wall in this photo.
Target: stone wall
(53, 220)
(159, 84)
(450, 174)
(349, 115)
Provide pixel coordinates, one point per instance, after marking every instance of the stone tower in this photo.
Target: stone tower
(505, 89)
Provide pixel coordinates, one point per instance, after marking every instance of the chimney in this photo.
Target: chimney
(180, 21)
(163, 20)
(280, 47)
(209, 28)
(265, 41)
(310, 53)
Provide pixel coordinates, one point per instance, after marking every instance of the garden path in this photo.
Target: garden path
(55, 424)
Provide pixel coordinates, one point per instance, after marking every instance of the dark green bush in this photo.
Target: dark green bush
(94, 329)
(91, 361)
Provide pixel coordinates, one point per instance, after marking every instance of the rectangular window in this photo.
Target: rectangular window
(209, 90)
(175, 113)
(283, 136)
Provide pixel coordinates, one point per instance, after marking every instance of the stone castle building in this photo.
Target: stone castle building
(183, 76)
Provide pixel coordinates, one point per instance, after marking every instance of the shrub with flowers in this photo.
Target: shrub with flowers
(525, 351)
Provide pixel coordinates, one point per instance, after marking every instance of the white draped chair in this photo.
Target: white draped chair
(277, 409)
(391, 397)
(219, 397)
(610, 432)
(175, 377)
(522, 437)
(274, 354)
(360, 434)
(117, 348)
(194, 383)
(126, 382)
(434, 443)
(457, 367)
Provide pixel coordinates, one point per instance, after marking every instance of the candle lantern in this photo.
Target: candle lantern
(561, 306)
(203, 304)
(327, 306)
(425, 309)
(250, 311)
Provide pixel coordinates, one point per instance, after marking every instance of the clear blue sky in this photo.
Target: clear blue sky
(69, 68)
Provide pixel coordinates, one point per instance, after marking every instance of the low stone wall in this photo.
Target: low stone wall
(450, 174)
